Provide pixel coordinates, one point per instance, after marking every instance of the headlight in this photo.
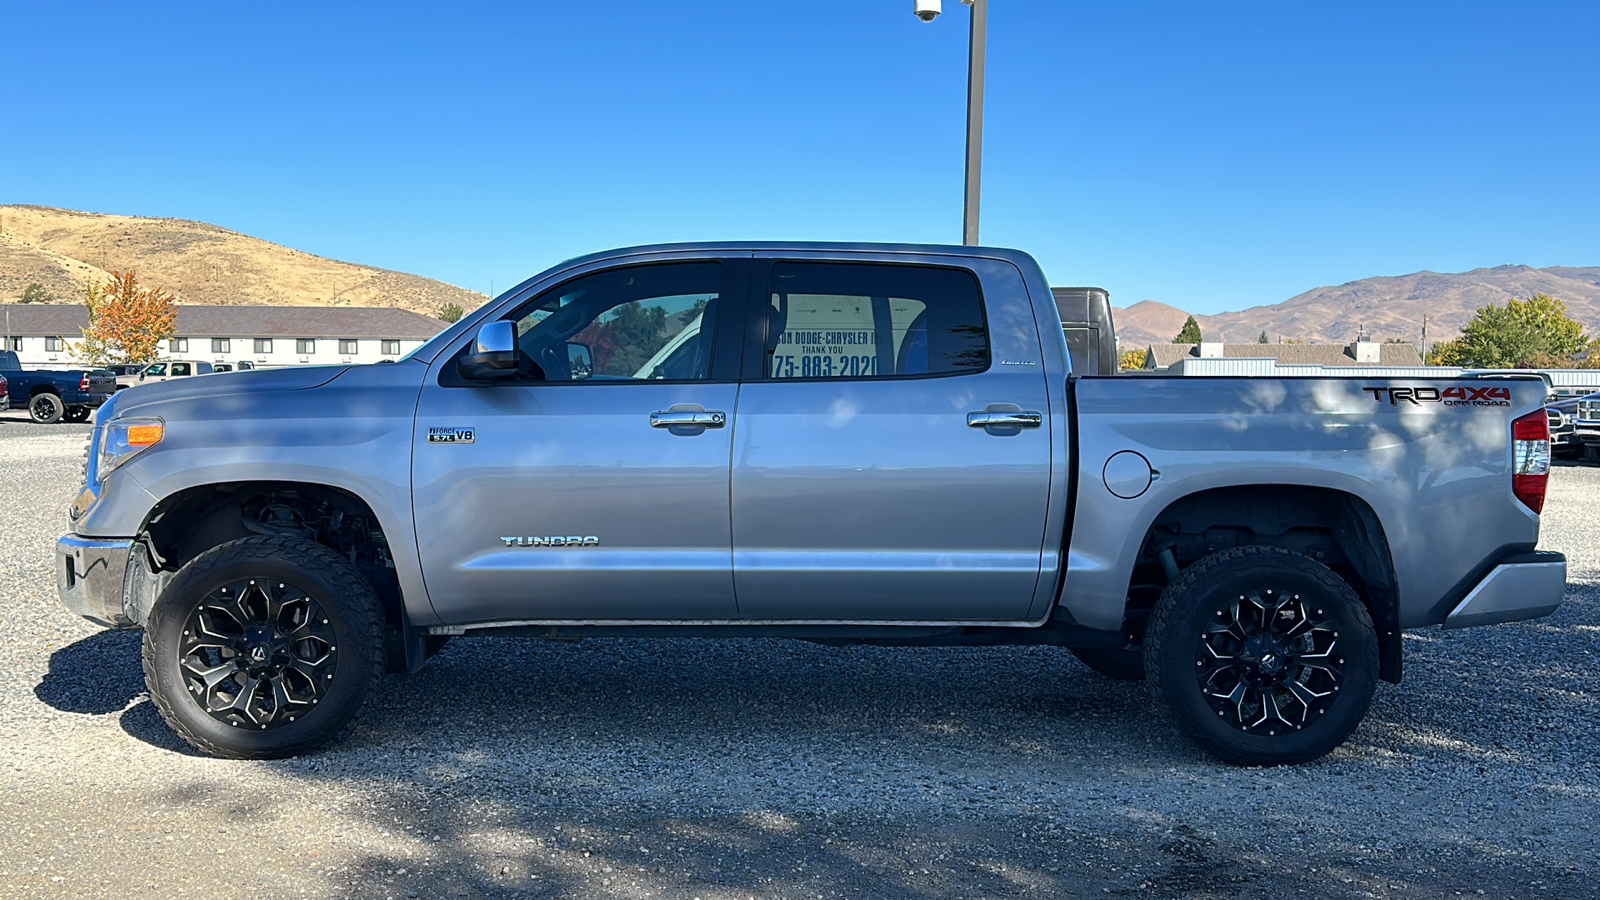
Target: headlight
(126, 438)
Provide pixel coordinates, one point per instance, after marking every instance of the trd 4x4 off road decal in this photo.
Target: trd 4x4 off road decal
(1451, 396)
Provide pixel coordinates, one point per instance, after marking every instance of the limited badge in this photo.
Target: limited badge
(450, 435)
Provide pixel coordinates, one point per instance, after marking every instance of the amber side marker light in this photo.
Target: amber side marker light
(144, 435)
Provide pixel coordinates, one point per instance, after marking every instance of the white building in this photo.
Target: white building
(47, 335)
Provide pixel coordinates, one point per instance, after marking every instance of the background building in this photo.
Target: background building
(1217, 358)
(48, 334)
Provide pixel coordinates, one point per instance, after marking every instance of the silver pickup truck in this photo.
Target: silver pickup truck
(874, 444)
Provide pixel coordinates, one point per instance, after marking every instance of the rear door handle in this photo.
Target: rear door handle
(1017, 419)
(714, 418)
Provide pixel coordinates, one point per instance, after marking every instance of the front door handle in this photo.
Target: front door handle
(1008, 419)
(714, 418)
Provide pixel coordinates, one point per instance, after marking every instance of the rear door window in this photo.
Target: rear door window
(853, 321)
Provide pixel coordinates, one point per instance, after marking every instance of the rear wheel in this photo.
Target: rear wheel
(263, 647)
(77, 414)
(1262, 656)
(46, 409)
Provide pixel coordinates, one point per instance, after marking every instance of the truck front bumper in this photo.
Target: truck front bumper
(90, 575)
(1525, 586)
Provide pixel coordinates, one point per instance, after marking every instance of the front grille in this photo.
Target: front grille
(1589, 410)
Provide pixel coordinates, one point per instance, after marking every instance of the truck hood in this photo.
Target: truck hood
(262, 381)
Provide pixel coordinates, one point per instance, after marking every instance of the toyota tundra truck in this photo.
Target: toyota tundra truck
(842, 443)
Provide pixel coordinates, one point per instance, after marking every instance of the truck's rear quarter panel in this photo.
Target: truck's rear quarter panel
(1436, 473)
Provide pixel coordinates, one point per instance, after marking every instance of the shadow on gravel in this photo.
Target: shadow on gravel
(95, 676)
(678, 769)
(141, 721)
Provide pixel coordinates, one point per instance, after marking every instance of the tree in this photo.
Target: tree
(36, 293)
(451, 312)
(1263, 338)
(1132, 359)
(1190, 333)
(1531, 333)
(127, 323)
(625, 338)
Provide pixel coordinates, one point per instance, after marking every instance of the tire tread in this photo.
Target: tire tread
(354, 588)
(1171, 602)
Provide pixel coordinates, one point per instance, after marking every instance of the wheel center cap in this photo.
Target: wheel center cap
(258, 654)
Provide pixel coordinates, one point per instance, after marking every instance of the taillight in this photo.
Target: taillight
(84, 384)
(1530, 458)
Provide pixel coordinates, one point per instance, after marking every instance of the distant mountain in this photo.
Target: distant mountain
(201, 264)
(1387, 307)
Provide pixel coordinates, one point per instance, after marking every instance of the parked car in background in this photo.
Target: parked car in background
(121, 369)
(1586, 426)
(164, 371)
(51, 395)
(1562, 410)
(243, 365)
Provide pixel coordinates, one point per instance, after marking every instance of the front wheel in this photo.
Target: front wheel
(46, 409)
(77, 414)
(263, 647)
(1262, 656)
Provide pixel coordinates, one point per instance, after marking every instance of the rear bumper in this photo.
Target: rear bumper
(1525, 586)
(90, 575)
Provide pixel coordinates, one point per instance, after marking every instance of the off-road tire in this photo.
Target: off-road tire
(46, 408)
(1333, 686)
(349, 613)
(1123, 665)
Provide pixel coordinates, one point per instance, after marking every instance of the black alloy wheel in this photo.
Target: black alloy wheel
(258, 653)
(1270, 662)
(46, 408)
(77, 414)
(1262, 656)
(263, 647)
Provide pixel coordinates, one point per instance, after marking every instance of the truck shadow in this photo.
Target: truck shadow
(676, 768)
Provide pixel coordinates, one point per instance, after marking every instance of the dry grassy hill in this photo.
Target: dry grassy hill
(199, 263)
(1386, 307)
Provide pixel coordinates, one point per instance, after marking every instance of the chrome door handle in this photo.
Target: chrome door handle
(1018, 419)
(675, 419)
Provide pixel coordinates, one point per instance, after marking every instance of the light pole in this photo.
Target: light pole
(927, 11)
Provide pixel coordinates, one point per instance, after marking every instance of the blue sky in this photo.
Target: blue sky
(1212, 156)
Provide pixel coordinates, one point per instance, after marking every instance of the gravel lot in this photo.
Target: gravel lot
(779, 769)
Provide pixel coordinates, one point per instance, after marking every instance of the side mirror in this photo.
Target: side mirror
(493, 353)
(580, 362)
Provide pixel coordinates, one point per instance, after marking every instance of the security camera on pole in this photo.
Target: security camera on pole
(927, 11)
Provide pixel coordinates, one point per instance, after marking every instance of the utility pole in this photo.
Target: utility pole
(975, 53)
(927, 11)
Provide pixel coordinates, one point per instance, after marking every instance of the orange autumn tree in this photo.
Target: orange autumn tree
(127, 323)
